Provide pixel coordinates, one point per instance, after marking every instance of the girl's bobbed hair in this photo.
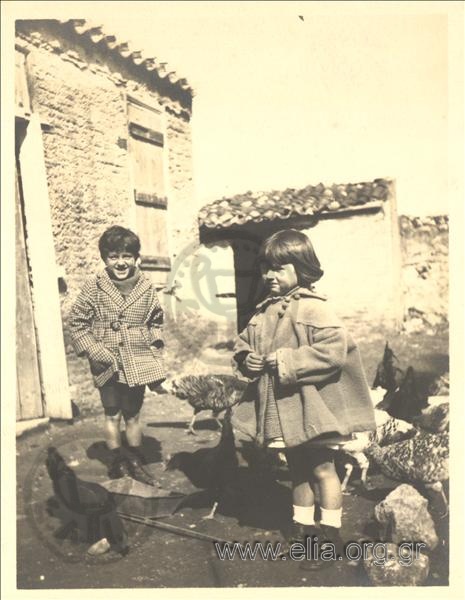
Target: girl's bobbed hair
(118, 239)
(294, 247)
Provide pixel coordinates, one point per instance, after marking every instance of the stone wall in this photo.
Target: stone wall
(425, 270)
(82, 102)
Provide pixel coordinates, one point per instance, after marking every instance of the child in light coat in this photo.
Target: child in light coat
(116, 323)
(308, 390)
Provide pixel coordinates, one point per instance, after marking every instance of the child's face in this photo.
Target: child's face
(280, 278)
(121, 265)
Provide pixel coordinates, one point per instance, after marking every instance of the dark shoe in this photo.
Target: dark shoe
(309, 536)
(299, 532)
(137, 471)
(332, 535)
(118, 467)
(121, 545)
(317, 555)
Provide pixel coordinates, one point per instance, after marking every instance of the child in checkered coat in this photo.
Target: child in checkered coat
(116, 323)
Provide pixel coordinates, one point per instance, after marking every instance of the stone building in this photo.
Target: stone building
(103, 137)
(354, 230)
(381, 269)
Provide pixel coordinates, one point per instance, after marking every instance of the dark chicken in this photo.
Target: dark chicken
(212, 469)
(388, 375)
(405, 402)
(208, 392)
(84, 507)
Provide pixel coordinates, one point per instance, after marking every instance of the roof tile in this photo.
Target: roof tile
(95, 33)
(291, 202)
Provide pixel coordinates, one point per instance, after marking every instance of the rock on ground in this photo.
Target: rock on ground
(403, 516)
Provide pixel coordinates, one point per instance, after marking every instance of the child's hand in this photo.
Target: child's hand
(254, 362)
(271, 361)
(97, 366)
(100, 359)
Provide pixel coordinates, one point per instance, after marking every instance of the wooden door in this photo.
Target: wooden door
(28, 392)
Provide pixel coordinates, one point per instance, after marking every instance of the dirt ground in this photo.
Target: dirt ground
(161, 559)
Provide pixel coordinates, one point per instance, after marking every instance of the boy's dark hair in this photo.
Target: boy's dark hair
(294, 247)
(118, 239)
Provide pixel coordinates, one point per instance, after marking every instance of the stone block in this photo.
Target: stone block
(403, 517)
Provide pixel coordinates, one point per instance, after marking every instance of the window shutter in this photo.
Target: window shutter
(146, 149)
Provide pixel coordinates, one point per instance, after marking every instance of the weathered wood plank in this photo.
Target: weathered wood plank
(54, 375)
(28, 393)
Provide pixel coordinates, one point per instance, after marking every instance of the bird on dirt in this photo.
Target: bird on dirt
(388, 430)
(208, 392)
(212, 469)
(84, 507)
(406, 401)
(422, 459)
(388, 375)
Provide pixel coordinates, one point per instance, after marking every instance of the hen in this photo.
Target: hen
(85, 507)
(212, 469)
(388, 431)
(406, 401)
(388, 375)
(208, 392)
(423, 459)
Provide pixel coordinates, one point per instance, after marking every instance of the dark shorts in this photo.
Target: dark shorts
(117, 396)
(308, 455)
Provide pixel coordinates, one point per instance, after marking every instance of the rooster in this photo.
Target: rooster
(388, 375)
(208, 392)
(84, 506)
(212, 469)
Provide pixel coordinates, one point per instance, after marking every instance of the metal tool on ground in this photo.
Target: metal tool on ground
(197, 535)
(156, 524)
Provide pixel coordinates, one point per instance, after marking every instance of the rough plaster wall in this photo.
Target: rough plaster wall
(183, 210)
(88, 177)
(425, 271)
(356, 255)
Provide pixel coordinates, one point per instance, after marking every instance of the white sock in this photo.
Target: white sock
(331, 517)
(305, 515)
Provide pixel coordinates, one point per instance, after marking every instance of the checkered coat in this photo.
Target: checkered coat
(123, 336)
